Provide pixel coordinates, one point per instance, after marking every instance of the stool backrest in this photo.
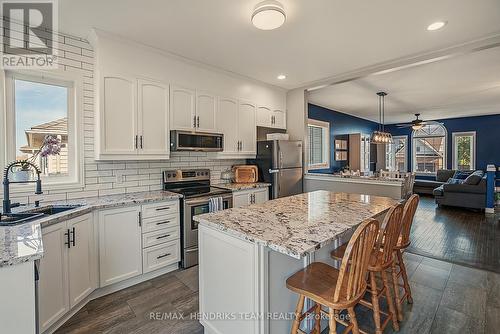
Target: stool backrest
(409, 210)
(354, 268)
(389, 234)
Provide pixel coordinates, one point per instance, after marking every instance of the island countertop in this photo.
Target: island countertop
(299, 224)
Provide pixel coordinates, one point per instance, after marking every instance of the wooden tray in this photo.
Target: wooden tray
(246, 174)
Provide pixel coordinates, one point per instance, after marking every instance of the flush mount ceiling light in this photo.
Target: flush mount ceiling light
(436, 25)
(281, 77)
(268, 15)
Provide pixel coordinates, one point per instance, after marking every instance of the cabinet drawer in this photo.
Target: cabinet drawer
(159, 209)
(161, 255)
(157, 237)
(161, 222)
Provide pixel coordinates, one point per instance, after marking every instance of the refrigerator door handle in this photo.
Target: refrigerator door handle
(273, 171)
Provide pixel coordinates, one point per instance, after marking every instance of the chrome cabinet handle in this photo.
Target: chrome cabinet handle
(194, 121)
(140, 219)
(68, 239)
(164, 255)
(73, 232)
(141, 141)
(164, 208)
(165, 222)
(163, 236)
(136, 138)
(198, 121)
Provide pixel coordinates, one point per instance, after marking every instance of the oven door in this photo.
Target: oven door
(193, 207)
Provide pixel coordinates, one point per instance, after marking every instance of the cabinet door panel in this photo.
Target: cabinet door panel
(241, 199)
(53, 300)
(206, 109)
(246, 128)
(264, 115)
(82, 261)
(227, 121)
(261, 195)
(182, 108)
(118, 121)
(120, 255)
(279, 119)
(153, 119)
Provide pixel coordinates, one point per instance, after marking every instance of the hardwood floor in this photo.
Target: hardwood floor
(456, 235)
(448, 298)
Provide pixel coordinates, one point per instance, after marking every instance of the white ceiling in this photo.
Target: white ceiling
(466, 85)
(320, 39)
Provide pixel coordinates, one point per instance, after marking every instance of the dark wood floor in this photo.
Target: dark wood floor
(448, 298)
(456, 235)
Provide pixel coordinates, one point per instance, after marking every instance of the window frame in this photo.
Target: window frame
(406, 139)
(414, 149)
(74, 83)
(454, 147)
(326, 148)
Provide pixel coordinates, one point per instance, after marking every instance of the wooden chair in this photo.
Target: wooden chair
(382, 260)
(336, 289)
(409, 210)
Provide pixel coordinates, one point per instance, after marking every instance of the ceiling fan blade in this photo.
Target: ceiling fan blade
(404, 125)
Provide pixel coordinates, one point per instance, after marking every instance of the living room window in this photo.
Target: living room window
(41, 125)
(397, 156)
(429, 148)
(319, 144)
(464, 150)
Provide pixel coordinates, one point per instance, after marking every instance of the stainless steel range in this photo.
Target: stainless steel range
(194, 186)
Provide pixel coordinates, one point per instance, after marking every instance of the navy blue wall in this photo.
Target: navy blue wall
(487, 138)
(340, 124)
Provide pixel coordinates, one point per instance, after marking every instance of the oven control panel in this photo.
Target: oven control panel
(186, 175)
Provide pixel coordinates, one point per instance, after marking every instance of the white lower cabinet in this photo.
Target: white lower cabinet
(119, 244)
(246, 197)
(161, 255)
(67, 269)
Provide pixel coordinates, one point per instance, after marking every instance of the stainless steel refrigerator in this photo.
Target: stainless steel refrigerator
(280, 163)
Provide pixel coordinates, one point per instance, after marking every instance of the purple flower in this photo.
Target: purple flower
(51, 146)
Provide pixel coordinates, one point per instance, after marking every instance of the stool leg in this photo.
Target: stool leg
(375, 303)
(397, 295)
(402, 267)
(332, 322)
(298, 314)
(317, 321)
(390, 301)
(354, 321)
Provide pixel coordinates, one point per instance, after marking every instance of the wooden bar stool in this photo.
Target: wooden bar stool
(336, 289)
(382, 260)
(409, 210)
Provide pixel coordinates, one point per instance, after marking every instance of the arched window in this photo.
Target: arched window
(429, 148)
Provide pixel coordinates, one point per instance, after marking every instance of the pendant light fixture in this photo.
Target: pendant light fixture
(381, 136)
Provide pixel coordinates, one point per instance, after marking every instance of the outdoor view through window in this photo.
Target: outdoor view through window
(41, 110)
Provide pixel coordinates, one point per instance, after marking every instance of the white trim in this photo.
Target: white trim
(413, 151)
(74, 83)
(326, 148)
(406, 139)
(454, 135)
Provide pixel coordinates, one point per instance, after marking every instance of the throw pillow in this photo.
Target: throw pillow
(474, 178)
(462, 175)
(455, 181)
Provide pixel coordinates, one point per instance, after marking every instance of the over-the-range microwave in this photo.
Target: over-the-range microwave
(196, 141)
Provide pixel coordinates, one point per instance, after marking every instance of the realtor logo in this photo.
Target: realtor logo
(29, 34)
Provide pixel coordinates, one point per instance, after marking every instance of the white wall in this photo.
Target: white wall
(79, 57)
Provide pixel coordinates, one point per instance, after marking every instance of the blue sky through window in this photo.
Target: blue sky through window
(35, 104)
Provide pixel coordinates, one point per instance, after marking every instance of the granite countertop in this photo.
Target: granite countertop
(21, 243)
(242, 186)
(358, 179)
(299, 224)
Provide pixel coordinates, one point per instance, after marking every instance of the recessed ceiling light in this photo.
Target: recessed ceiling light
(436, 25)
(281, 77)
(268, 15)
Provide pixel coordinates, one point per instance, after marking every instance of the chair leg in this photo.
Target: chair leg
(397, 295)
(317, 320)
(298, 314)
(390, 301)
(402, 267)
(332, 322)
(375, 303)
(354, 321)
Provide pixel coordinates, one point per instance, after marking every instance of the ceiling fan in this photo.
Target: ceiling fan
(416, 124)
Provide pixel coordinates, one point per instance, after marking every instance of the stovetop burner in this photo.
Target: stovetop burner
(191, 192)
(191, 183)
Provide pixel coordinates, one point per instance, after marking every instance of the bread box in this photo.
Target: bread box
(246, 174)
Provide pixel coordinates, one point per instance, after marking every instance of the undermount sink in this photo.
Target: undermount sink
(29, 215)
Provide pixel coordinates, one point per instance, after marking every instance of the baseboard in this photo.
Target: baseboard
(489, 210)
(99, 292)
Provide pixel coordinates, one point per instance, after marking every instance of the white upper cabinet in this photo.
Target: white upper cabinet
(153, 119)
(182, 108)
(247, 131)
(271, 118)
(227, 124)
(279, 119)
(118, 116)
(206, 110)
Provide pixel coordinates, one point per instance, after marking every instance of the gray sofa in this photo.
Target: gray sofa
(462, 195)
(427, 186)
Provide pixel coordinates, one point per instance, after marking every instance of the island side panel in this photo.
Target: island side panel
(229, 275)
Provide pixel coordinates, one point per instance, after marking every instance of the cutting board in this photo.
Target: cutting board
(246, 174)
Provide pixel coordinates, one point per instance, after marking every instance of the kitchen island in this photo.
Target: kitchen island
(246, 255)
